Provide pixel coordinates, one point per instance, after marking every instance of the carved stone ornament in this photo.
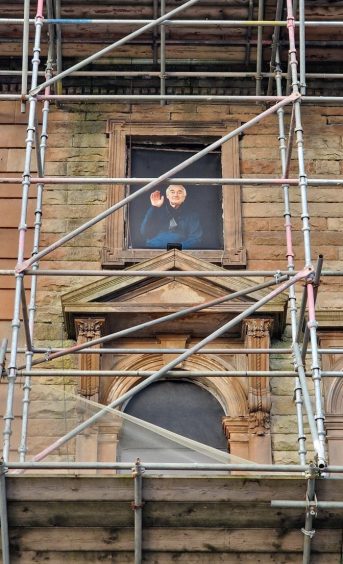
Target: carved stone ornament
(257, 336)
(88, 329)
(259, 422)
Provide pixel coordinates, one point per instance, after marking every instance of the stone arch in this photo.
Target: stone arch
(335, 397)
(228, 391)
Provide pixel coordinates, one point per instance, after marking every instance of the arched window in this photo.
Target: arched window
(178, 406)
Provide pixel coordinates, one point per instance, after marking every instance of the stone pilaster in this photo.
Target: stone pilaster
(256, 333)
(236, 432)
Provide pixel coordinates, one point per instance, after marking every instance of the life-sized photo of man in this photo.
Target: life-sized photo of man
(169, 220)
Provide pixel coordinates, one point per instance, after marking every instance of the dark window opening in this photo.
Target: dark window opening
(196, 223)
(178, 406)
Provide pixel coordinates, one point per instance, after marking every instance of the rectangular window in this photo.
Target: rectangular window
(187, 215)
(205, 221)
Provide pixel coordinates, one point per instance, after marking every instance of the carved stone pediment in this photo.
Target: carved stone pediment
(144, 296)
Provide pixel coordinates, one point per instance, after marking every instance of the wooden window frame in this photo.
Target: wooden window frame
(120, 131)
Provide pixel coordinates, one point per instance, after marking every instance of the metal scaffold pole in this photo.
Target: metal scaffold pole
(8, 417)
(320, 447)
(284, 151)
(137, 507)
(32, 306)
(5, 546)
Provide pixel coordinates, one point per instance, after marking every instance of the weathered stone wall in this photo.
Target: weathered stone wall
(78, 146)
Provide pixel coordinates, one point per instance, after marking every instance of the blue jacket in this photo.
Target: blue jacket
(169, 225)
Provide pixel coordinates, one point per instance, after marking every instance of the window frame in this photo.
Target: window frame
(116, 253)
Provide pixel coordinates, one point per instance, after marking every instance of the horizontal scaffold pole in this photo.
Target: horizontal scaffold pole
(182, 23)
(174, 373)
(97, 98)
(253, 467)
(106, 98)
(290, 504)
(225, 182)
(179, 74)
(159, 466)
(117, 350)
(164, 273)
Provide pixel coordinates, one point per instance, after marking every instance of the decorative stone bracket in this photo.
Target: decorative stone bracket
(87, 329)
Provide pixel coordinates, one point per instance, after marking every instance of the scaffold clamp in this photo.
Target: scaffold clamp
(308, 533)
(312, 506)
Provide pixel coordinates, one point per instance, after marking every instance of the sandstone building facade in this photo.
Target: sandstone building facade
(239, 401)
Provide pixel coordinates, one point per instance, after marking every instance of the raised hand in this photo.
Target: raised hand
(156, 199)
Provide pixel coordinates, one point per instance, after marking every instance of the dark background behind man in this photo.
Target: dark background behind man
(203, 201)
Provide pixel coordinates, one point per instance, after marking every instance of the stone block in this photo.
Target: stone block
(11, 210)
(284, 424)
(16, 159)
(82, 212)
(252, 167)
(38, 444)
(327, 167)
(3, 160)
(260, 153)
(60, 139)
(92, 168)
(282, 386)
(283, 405)
(9, 242)
(51, 426)
(87, 196)
(335, 224)
(7, 112)
(12, 136)
(283, 442)
(55, 226)
(55, 196)
(92, 140)
(78, 253)
(289, 457)
(56, 168)
(58, 409)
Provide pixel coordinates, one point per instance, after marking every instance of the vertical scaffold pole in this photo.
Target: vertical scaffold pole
(163, 54)
(32, 306)
(306, 231)
(290, 259)
(24, 67)
(259, 55)
(137, 507)
(5, 545)
(302, 50)
(311, 512)
(8, 417)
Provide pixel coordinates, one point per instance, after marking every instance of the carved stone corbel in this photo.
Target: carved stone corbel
(87, 329)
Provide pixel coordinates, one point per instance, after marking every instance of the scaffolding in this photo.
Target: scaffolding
(286, 278)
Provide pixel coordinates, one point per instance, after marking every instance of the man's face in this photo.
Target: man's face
(176, 196)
